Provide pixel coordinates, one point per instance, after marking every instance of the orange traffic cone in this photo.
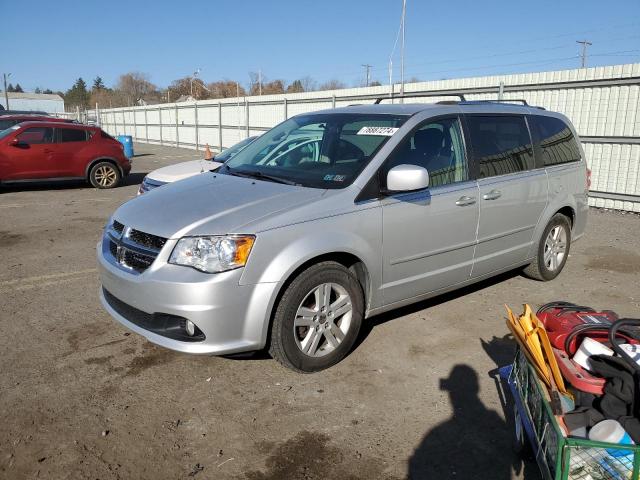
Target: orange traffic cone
(207, 153)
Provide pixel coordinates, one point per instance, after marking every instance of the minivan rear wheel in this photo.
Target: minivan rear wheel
(553, 250)
(317, 319)
(104, 175)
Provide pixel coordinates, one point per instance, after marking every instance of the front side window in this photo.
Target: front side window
(64, 135)
(436, 146)
(36, 136)
(315, 150)
(501, 144)
(557, 143)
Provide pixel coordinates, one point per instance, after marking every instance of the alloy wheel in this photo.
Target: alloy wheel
(322, 319)
(106, 176)
(555, 247)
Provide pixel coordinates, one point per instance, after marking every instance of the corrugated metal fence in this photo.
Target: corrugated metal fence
(602, 102)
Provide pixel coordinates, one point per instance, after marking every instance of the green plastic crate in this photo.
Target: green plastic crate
(559, 457)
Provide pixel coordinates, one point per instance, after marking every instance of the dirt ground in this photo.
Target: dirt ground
(81, 397)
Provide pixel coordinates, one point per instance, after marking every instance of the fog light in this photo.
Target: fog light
(190, 328)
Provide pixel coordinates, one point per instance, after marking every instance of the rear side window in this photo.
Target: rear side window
(64, 135)
(36, 136)
(104, 134)
(557, 143)
(502, 144)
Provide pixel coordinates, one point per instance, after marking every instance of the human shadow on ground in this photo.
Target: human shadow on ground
(476, 442)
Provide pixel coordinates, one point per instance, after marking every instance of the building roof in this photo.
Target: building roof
(34, 96)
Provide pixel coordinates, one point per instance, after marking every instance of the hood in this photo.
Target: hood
(210, 204)
(178, 171)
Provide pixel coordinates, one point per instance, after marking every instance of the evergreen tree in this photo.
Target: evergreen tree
(295, 87)
(77, 96)
(10, 88)
(18, 88)
(98, 84)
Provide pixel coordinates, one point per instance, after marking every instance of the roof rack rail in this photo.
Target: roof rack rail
(503, 100)
(418, 95)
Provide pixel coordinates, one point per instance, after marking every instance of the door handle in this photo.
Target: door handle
(465, 201)
(492, 195)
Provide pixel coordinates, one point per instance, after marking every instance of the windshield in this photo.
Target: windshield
(316, 150)
(231, 151)
(8, 131)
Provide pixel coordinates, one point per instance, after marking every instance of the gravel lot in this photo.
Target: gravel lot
(82, 398)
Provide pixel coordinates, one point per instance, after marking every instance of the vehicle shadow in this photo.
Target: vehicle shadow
(74, 184)
(371, 323)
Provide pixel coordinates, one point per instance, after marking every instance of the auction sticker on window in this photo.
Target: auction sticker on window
(380, 131)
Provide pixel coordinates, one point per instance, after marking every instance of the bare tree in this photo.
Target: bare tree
(332, 85)
(226, 89)
(308, 84)
(273, 87)
(135, 86)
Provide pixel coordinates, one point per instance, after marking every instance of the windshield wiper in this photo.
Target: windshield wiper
(260, 176)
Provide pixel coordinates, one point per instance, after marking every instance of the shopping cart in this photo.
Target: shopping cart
(560, 457)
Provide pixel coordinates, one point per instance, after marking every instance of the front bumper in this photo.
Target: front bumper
(233, 317)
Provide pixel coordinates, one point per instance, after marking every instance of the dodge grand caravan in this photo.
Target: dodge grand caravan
(370, 207)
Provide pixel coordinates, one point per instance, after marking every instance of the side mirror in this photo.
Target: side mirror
(15, 142)
(407, 178)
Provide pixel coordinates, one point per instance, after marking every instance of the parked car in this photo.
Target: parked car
(7, 121)
(20, 112)
(54, 150)
(182, 170)
(378, 207)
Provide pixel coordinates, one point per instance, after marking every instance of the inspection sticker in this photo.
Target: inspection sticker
(380, 131)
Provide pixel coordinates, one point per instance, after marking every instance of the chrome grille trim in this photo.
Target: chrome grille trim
(131, 250)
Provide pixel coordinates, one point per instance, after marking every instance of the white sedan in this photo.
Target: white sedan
(179, 171)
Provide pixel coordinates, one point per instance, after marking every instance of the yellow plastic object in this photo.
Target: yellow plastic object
(530, 333)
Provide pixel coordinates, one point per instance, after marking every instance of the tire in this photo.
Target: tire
(104, 175)
(309, 334)
(553, 250)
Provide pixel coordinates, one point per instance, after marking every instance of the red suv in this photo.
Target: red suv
(48, 150)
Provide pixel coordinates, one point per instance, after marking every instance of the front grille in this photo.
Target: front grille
(117, 226)
(147, 240)
(132, 250)
(137, 261)
(167, 325)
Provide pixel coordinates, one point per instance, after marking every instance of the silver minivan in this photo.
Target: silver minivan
(335, 216)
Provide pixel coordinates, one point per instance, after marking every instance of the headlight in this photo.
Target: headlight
(213, 254)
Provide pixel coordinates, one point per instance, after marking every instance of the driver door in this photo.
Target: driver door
(31, 157)
(429, 236)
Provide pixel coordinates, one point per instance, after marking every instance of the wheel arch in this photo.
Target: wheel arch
(567, 210)
(94, 162)
(347, 259)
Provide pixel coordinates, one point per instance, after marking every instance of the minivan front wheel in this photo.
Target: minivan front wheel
(553, 250)
(104, 175)
(318, 318)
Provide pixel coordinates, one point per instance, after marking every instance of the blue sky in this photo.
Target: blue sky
(50, 44)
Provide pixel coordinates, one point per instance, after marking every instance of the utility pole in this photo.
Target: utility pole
(404, 14)
(584, 44)
(6, 95)
(367, 69)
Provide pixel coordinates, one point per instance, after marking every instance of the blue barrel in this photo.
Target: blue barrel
(127, 142)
